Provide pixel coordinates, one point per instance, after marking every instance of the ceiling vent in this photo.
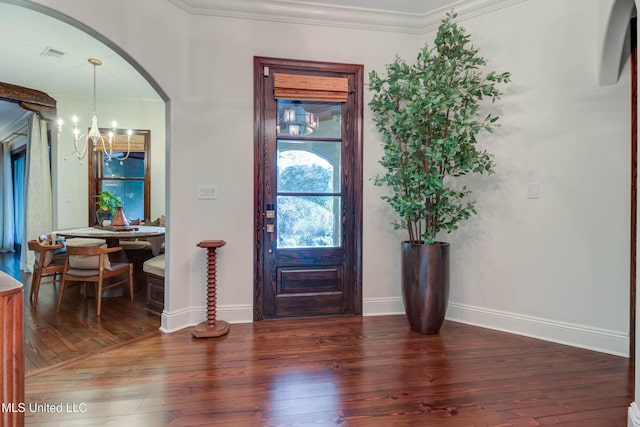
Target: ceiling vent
(52, 53)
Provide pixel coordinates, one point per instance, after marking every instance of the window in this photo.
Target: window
(309, 172)
(127, 178)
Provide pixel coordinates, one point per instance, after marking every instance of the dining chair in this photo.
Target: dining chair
(91, 264)
(47, 264)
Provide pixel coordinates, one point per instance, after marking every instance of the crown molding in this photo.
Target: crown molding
(293, 11)
(466, 9)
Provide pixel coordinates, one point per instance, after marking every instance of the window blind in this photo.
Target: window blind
(120, 143)
(310, 88)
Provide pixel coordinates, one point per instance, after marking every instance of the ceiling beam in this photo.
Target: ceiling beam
(29, 99)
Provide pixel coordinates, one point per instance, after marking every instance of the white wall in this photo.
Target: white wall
(558, 266)
(555, 267)
(223, 84)
(70, 186)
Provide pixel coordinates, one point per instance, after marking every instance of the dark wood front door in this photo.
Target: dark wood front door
(308, 186)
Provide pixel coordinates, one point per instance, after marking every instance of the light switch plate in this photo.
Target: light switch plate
(533, 191)
(207, 192)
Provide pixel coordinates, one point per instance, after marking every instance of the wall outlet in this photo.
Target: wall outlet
(207, 192)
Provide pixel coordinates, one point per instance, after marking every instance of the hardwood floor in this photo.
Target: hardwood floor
(352, 371)
(52, 338)
(76, 332)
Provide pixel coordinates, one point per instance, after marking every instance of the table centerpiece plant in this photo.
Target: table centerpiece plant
(107, 203)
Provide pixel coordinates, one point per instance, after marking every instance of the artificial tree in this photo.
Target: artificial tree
(428, 114)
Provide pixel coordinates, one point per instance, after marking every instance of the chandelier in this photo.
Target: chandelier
(81, 141)
(296, 121)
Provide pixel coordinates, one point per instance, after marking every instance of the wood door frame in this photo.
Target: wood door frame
(95, 169)
(259, 246)
(634, 187)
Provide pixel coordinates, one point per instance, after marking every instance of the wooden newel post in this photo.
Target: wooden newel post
(212, 327)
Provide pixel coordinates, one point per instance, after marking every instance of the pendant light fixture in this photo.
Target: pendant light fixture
(105, 142)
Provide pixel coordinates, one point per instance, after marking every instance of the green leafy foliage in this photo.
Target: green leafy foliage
(108, 202)
(427, 115)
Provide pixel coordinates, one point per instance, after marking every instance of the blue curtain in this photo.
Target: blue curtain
(18, 198)
(7, 226)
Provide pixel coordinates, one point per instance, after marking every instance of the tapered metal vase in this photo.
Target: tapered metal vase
(425, 285)
(119, 219)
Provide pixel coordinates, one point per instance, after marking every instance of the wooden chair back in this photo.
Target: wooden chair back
(91, 264)
(45, 265)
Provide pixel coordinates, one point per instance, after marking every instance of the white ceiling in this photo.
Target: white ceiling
(25, 34)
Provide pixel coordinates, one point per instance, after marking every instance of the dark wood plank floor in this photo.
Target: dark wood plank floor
(76, 331)
(52, 338)
(351, 371)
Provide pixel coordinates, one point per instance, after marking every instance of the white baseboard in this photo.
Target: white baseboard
(177, 320)
(234, 313)
(602, 340)
(243, 313)
(633, 418)
(605, 341)
(382, 306)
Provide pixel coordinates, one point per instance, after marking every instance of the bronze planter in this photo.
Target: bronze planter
(425, 285)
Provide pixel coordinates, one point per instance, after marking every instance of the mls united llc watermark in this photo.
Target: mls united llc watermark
(22, 407)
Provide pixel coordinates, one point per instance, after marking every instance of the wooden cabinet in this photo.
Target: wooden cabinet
(12, 350)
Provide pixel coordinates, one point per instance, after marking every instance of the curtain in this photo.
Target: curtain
(7, 225)
(18, 198)
(38, 197)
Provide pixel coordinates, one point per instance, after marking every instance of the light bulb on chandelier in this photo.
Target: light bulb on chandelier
(107, 144)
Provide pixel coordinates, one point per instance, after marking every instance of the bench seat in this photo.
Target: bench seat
(154, 271)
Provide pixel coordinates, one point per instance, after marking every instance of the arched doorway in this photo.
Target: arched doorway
(120, 65)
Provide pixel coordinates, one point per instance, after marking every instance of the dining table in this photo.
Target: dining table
(113, 235)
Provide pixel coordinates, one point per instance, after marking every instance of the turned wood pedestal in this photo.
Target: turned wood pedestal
(211, 328)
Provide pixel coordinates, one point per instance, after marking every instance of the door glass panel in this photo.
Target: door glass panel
(309, 166)
(308, 221)
(304, 118)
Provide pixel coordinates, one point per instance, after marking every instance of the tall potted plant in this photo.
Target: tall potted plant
(428, 116)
